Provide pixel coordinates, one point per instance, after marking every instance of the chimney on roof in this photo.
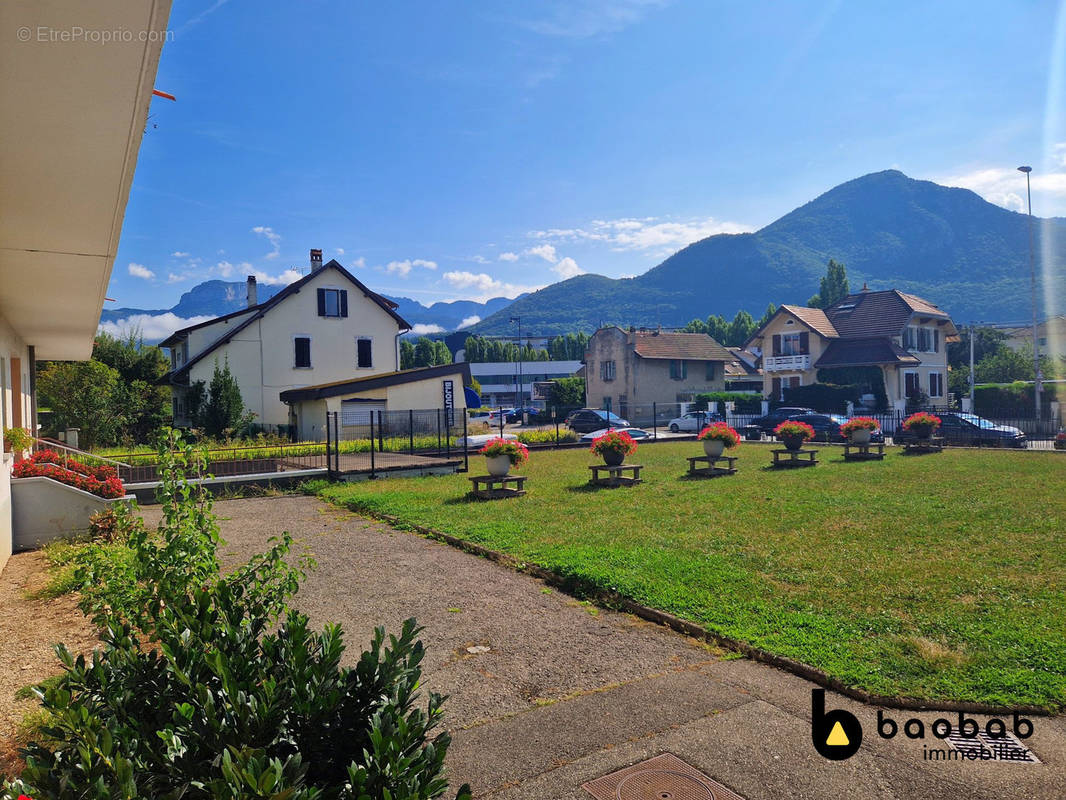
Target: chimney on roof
(316, 260)
(253, 297)
(865, 288)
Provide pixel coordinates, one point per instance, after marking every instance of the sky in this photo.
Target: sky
(470, 149)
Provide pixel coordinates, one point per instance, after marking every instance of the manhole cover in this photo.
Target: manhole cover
(664, 777)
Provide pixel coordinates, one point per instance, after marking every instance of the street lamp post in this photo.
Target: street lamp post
(519, 391)
(1037, 387)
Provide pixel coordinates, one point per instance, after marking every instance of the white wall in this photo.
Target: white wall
(262, 356)
(11, 346)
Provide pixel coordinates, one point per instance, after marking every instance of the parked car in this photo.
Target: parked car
(635, 433)
(767, 422)
(693, 421)
(827, 427)
(586, 420)
(515, 414)
(960, 428)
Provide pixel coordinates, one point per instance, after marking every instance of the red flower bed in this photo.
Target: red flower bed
(102, 481)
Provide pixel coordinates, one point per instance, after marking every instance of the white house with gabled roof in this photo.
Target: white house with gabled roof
(325, 327)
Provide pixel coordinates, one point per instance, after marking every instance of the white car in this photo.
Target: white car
(693, 422)
(634, 433)
(478, 441)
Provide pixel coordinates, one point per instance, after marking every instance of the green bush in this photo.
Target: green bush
(1009, 399)
(199, 693)
(825, 397)
(547, 437)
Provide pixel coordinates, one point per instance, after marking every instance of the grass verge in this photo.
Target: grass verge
(939, 577)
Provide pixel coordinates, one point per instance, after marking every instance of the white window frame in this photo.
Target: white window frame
(325, 302)
(310, 341)
(790, 344)
(367, 339)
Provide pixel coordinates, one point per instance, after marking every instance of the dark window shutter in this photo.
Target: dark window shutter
(710, 370)
(344, 302)
(805, 343)
(303, 352)
(936, 341)
(776, 388)
(777, 344)
(321, 302)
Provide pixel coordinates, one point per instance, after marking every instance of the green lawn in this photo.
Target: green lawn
(937, 576)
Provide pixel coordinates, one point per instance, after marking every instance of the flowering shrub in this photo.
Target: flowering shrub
(614, 442)
(791, 427)
(922, 420)
(859, 424)
(17, 440)
(514, 450)
(102, 481)
(720, 431)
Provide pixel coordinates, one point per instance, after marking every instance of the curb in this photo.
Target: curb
(614, 600)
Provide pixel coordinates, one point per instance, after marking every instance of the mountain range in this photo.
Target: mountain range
(946, 245)
(215, 298)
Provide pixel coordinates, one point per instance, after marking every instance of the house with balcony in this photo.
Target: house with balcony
(903, 338)
(323, 328)
(73, 119)
(640, 367)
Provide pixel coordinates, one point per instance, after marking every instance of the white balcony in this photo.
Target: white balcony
(781, 363)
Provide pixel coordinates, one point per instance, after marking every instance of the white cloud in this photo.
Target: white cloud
(642, 234)
(545, 251)
(479, 259)
(421, 329)
(1005, 186)
(284, 279)
(581, 19)
(272, 237)
(483, 286)
(403, 268)
(508, 256)
(152, 327)
(359, 262)
(339, 251)
(567, 268)
(468, 321)
(180, 254)
(225, 269)
(175, 277)
(140, 271)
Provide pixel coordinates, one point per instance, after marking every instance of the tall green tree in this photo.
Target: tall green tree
(145, 402)
(833, 288)
(740, 330)
(407, 354)
(566, 393)
(222, 413)
(86, 395)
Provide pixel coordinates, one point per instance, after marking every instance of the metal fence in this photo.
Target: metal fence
(381, 441)
(230, 461)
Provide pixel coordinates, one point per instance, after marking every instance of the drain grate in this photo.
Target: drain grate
(986, 748)
(664, 777)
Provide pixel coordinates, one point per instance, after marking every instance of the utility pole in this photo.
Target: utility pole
(519, 391)
(972, 380)
(1038, 385)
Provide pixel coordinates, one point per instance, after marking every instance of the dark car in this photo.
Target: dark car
(768, 422)
(827, 427)
(586, 420)
(970, 430)
(515, 414)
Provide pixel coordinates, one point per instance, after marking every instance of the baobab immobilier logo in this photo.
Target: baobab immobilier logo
(837, 734)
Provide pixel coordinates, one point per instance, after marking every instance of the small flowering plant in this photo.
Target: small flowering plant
(102, 481)
(512, 448)
(859, 424)
(921, 421)
(1060, 440)
(721, 432)
(791, 427)
(614, 442)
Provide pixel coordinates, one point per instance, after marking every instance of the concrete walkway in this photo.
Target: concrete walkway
(555, 693)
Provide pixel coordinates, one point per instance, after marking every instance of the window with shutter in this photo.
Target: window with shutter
(805, 344)
(775, 390)
(302, 355)
(332, 303)
(364, 353)
(710, 371)
(777, 344)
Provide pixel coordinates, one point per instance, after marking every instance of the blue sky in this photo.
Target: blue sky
(465, 149)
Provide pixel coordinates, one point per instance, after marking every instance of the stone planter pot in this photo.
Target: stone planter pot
(860, 436)
(613, 458)
(43, 510)
(498, 466)
(713, 447)
(922, 431)
(793, 442)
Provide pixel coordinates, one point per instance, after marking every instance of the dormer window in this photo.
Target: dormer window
(332, 303)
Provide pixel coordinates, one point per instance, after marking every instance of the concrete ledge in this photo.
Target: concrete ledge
(43, 510)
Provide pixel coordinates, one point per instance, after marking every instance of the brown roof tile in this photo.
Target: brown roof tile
(694, 346)
(864, 352)
(813, 318)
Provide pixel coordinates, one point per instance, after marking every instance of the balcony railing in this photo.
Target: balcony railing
(779, 363)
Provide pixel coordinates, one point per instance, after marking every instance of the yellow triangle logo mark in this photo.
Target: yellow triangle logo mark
(837, 737)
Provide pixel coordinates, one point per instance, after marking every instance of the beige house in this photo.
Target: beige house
(1050, 336)
(629, 368)
(74, 114)
(425, 389)
(904, 336)
(325, 327)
